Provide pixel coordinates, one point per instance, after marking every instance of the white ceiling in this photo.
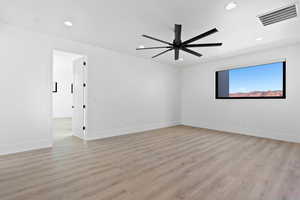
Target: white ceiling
(118, 24)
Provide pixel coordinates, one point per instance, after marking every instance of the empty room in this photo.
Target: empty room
(150, 100)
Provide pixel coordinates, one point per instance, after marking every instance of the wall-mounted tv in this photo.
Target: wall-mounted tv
(266, 81)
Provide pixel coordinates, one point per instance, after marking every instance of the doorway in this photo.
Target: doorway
(68, 95)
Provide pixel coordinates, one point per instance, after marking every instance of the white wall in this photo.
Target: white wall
(63, 75)
(128, 94)
(271, 118)
(125, 93)
(25, 97)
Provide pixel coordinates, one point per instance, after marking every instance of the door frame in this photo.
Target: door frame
(85, 92)
(84, 106)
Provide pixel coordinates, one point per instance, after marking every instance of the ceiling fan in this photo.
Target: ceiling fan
(177, 44)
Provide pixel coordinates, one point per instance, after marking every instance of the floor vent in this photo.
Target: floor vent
(279, 15)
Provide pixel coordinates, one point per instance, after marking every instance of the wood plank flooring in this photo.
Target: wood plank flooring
(166, 164)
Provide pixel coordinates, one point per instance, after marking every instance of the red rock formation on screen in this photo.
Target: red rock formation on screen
(276, 93)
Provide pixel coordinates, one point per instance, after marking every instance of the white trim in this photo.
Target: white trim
(129, 130)
(281, 136)
(78, 136)
(24, 146)
(85, 93)
(253, 64)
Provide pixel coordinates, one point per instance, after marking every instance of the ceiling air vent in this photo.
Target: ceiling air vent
(279, 15)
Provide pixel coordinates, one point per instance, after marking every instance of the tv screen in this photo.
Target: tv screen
(260, 81)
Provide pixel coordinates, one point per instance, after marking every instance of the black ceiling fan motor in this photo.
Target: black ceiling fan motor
(178, 45)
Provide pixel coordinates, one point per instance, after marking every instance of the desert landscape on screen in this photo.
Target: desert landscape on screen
(276, 93)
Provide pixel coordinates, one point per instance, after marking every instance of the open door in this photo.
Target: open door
(79, 106)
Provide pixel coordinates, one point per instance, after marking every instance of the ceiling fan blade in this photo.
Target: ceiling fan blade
(176, 54)
(212, 31)
(204, 45)
(191, 51)
(178, 33)
(152, 38)
(145, 48)
(162, 53)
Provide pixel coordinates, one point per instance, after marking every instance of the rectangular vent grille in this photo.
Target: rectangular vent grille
(279, 15)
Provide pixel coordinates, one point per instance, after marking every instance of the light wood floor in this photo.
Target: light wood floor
(166, 164)
(62, 127)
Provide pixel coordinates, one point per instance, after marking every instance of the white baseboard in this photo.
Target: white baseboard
(92, 135)
(78, 136)
(24, 146)
(288, 137)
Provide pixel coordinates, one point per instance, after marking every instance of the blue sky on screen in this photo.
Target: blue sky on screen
(257, 78)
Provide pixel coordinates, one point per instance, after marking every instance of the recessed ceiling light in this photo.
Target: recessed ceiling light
(230, 5)
(68, 23)
(259, 39)
(180, 59)
(141, 46)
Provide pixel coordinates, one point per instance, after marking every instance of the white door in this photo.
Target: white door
(78, 119)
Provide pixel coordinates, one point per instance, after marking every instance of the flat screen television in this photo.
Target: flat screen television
(266, 81)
